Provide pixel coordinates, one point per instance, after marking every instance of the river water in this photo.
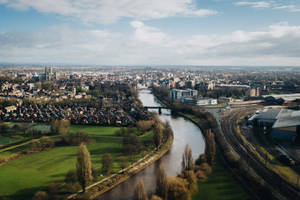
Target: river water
(185, 132)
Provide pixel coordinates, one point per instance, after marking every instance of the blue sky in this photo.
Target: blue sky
(143, 32)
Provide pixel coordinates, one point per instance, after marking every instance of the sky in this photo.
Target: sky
(151, 32)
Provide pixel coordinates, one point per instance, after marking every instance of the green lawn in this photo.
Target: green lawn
(220, 185)
(20, 178)
(95, 130)
(6, 140)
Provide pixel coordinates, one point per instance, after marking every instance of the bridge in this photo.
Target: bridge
(156, 107)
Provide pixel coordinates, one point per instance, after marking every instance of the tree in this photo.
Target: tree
(158, 134)
(210, 147)
(123, 162)
(40, 195)
(60, 127)
(107, 162)
(144, 125)
(187, 159)
(83, 166)
(177, 189)
(192, 181)
(168, 132)
(132, 144)
(161, 182)
(139, 192)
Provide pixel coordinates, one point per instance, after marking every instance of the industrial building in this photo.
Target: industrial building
(282, 124)
(179, 94)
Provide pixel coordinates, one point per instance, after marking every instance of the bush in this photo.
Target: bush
(40, 195)
(94, 174)
(46, 143)
(154, 197)
(132, 144)
(206, 168)
(145, 125)
(201, 159)
(200, 175)
(72, 187)
(76, 138)
(107, 162)
(53, 190)
(177, 189)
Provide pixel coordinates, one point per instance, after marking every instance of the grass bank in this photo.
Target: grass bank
(20, 178)
(220, 184)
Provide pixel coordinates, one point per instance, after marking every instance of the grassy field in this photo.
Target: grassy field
(20, 178)
(220, 185)
(5, 140)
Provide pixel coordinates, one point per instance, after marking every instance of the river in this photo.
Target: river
(185, 132)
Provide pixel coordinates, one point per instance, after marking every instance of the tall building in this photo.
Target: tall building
(50, 73)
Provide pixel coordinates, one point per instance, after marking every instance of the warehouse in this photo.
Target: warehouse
(282, 124)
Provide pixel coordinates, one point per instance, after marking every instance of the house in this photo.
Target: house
(10, 109)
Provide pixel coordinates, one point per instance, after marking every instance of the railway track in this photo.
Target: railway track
(228, 126)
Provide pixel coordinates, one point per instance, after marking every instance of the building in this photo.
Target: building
(50, 73)
(204, 102)
(282, 124)
(10, 109)
(178, 94)
(255, 92)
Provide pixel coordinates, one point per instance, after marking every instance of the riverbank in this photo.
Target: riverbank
(221, 183)
(99, 188)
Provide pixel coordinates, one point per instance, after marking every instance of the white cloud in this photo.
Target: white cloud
(279, 44)
(253, 4)
(274, 4)
(291, 8)
(110, 11)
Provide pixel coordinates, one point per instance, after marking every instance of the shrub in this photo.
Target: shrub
(177, 189)
(40, 195)
(201, 159)
(206, 168)
(154, 197)
(107, 162)
(200, 175)
(145, 125)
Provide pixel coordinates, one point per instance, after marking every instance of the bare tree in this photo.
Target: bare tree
(187, 159)
(161, 182)
(139, 192)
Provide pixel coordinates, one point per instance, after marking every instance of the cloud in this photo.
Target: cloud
(278, 44)
(291, 8)
(255, 4)
(110, 11)
(275, 5)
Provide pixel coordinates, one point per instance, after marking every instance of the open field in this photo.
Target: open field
(20, 178)
(220, 185)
